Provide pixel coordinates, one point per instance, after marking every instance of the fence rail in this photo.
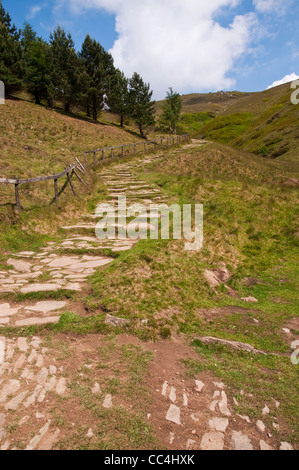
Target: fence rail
(109, 152)
(77, 167)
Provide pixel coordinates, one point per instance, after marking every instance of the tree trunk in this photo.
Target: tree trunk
(141, 132)
(121, 120)
(88, 109)
(37, 98)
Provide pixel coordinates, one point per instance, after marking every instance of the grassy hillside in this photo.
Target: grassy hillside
(251, 229)
(36, 141)
(266, 124)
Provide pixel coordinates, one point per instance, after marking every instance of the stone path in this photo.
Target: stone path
(187, 414)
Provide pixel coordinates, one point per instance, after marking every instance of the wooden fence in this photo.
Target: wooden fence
(69, 171)
(133, 149)
(78, 167)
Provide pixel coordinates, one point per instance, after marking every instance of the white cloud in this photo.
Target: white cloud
(288, 78)
(176, 43)
(268, 6)
(34, 10)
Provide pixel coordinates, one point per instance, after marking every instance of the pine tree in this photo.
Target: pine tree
(11, 63)
(64, 71)
(140, 105)
(36, 57)
(98, 65)
(171, 111)
(118, 96)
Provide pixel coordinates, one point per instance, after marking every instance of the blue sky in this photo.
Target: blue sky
(191, 45)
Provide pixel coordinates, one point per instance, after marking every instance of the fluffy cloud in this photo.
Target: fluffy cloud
(268, 6)
(288, 78)
(176, 43)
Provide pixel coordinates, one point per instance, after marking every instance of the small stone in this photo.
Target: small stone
(264, 446)
(199, 385)
(249, 299)
(172, 395)
(223, 405)
(61, 386)
(89, 434)
(95, 389)
(285, 446)
(240, 441)
(24, 420)
(174, 414)
(286, 330)
(39, 415)
(235, 401)
(260, 426)
(22, 344)
(15, 402)
(108, 402)
(218, 424)
(212, 441)
(164, 389)
(219, 385)
(266, 410)
(171, 437)
(190, 444)
(9, 389)
(245, 418)
(276, 426)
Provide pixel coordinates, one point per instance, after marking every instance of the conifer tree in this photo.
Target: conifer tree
(64, 68)
(11, 63)
(171, 111)
(98, 65)
(141, 107)
(118, 96)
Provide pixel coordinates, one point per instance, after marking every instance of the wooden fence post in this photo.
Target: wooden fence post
(84, 158)
(111, 152)
(122, 151)
(134, 149)
(56, 189)
(70, 181)
(94, 158)
(18, 206)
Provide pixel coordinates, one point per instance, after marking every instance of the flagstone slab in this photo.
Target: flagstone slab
(47, 306)
(37, 321)
(23, 266)
(40, 288)
(7, 311)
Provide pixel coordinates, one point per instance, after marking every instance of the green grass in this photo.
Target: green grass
(225, 129)
(251, 227)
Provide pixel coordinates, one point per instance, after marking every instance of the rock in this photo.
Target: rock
(89, 433)
(2, 349)
(37, 321)
(9, 389)
(96, 389)
(7, 311)
(217, 277)
(108, 402)
(240, 441)
(172, 395)
(260, 426)
(223, 405)
(218, 424)
(61, 386)
(22, 266)
(16, 401)
(114, 321)
(22, 344)
(47, 306)
(285, 446)
(40, 288)
(250, 299)
(245, 418)
(212, 441)
(264, 446)
(199, 385)
(190, 444)
(164, 389)
(174, 414)
(286, 330)
(266, 410)
(232, 344)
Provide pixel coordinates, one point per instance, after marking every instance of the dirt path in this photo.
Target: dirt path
(68, 391)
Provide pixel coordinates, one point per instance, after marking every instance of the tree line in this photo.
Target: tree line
(54, 72)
